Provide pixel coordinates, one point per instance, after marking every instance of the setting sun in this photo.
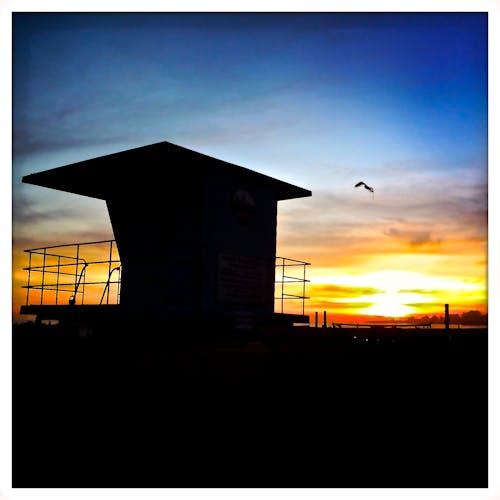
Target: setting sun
(389, 304)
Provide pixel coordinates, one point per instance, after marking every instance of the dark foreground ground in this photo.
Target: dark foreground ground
(274, 409)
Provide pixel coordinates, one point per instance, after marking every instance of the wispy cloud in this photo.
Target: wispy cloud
(26, 213)
(414, 238)
(345, 307)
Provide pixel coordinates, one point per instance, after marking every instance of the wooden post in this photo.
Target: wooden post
(324, 319)
(316, 319)
(447, 316)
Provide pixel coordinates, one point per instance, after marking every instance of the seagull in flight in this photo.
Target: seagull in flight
(363, 184)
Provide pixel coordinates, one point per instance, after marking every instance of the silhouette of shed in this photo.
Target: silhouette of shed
(196, 235)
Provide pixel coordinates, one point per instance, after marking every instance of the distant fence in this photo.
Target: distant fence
(426, 326)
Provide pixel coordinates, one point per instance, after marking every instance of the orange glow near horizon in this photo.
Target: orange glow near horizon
(393, 294)
(346, 297)
(351, 287)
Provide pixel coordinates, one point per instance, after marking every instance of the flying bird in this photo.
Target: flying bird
(363, 184)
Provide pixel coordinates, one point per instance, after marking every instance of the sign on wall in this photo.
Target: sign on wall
(241, 279)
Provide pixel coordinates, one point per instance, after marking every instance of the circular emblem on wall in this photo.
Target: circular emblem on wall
(243, 205)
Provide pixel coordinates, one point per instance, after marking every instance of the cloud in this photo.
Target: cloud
(58, 127)
(339, 291)
(355, 307)
(338, 226)
(419, 291)
(50, 217)
(24, 213)
(104, 119)
(430, 306)
(26, 144)
(414, 238)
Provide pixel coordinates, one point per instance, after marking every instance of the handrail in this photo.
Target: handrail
(106, 287)
(82, 273)
(70, 245)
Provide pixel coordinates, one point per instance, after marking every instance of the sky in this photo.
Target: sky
(320, 100)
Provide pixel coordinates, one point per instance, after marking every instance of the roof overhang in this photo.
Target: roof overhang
(139, 168)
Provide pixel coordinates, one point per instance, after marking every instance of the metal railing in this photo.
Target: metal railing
(73, 270)
(77, 268)
(290, 283)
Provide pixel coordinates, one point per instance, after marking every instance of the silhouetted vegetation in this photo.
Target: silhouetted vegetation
(466, 318)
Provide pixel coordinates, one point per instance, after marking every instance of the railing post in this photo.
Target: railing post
(57, 277)
(76, 268)
(109, 268)
(29, 276)
(303, 288)
(118, 286)
(282, 283)
(43, 276)
(84, 271)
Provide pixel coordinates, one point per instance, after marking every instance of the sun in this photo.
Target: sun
(390, 305)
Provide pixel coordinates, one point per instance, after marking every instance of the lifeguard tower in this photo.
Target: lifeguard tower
(196, 238)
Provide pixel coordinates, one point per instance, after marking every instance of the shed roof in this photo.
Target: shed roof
(139, 168)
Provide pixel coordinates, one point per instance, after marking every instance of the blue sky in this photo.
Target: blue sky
(322, 100)
(402, 85)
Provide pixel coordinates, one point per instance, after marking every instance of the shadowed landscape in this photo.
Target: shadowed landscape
(312, 408)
